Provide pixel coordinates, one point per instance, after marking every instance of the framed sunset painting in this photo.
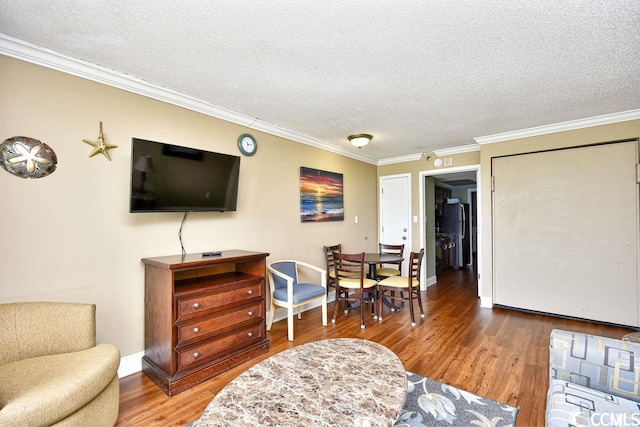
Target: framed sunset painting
(321, 197)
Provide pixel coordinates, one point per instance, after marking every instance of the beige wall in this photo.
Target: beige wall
(415, 168)
(70, 237)
(590, 135)
(586, 136)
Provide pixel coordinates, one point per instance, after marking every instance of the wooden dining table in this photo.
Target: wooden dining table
(373, 259)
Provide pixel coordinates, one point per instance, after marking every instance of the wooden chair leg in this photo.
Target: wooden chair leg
(336, 303)
(413, 319)
(420, 302)
(374, 302)
(371, 293)
(362, 310)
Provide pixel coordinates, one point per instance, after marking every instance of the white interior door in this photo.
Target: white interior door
(395, 213)
(566, 232)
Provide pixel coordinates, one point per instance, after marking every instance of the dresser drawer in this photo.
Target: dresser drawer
(192, 306)
(218, 347)
(203, 327)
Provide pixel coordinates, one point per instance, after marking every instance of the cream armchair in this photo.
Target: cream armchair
(51, 371)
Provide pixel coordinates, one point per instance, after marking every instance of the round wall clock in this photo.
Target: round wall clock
(247, 144)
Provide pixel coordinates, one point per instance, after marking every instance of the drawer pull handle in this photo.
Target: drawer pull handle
(196, 355)
(250, 291)
(250, 334)
(196, 305)
(196, 329)
(250, 313)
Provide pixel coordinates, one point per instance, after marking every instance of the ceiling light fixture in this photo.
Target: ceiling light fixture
(360, 140)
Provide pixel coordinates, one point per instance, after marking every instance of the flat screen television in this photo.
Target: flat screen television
(171, 178)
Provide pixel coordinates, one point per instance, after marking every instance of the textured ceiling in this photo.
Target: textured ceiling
(417, 75)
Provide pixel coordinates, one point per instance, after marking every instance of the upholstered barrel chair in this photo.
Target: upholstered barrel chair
(51, 370)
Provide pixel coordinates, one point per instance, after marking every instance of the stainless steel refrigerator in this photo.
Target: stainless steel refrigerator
(455, 220)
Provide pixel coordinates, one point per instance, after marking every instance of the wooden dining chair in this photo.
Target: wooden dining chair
(350, 276)
(409, 284)
(331, 274)
(328, 255)
(383, 271)
(390, 269)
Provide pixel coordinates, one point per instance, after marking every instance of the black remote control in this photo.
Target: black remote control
(213, 253)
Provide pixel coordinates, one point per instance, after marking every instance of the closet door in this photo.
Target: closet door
(566, 232)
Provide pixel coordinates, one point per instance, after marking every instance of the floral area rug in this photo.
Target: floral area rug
(431, 403)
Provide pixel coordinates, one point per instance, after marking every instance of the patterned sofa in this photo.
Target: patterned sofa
(593, 380)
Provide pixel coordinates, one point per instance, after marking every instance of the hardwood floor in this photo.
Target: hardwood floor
(497, 353)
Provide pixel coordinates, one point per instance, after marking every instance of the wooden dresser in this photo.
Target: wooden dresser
(203, 316)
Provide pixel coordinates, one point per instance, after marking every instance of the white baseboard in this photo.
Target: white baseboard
(133, 363)
(432, 280)
(130, 364)
(486, 302)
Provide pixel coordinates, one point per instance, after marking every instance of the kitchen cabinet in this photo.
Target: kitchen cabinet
(441, 196)
(445, 252)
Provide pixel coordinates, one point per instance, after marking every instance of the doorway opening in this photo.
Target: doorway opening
(456, 191)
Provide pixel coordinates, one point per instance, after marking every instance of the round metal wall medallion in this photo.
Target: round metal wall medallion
(27, 157)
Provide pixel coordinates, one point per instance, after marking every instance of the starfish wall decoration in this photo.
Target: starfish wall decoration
(100, 146)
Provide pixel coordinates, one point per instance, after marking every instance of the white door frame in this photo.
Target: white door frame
(473, 239)
(423, 231)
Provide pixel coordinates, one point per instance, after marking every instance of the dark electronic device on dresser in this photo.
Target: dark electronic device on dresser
(171, 178)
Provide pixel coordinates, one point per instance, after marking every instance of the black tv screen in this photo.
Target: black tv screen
(171, 178)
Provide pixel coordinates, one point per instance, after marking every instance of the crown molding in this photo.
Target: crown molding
(25, 51)
(457, 150)
(28, 52)
(307, 140)
(560, 127)
(400, 159)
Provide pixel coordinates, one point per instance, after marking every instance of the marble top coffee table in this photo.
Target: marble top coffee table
(332, 382)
